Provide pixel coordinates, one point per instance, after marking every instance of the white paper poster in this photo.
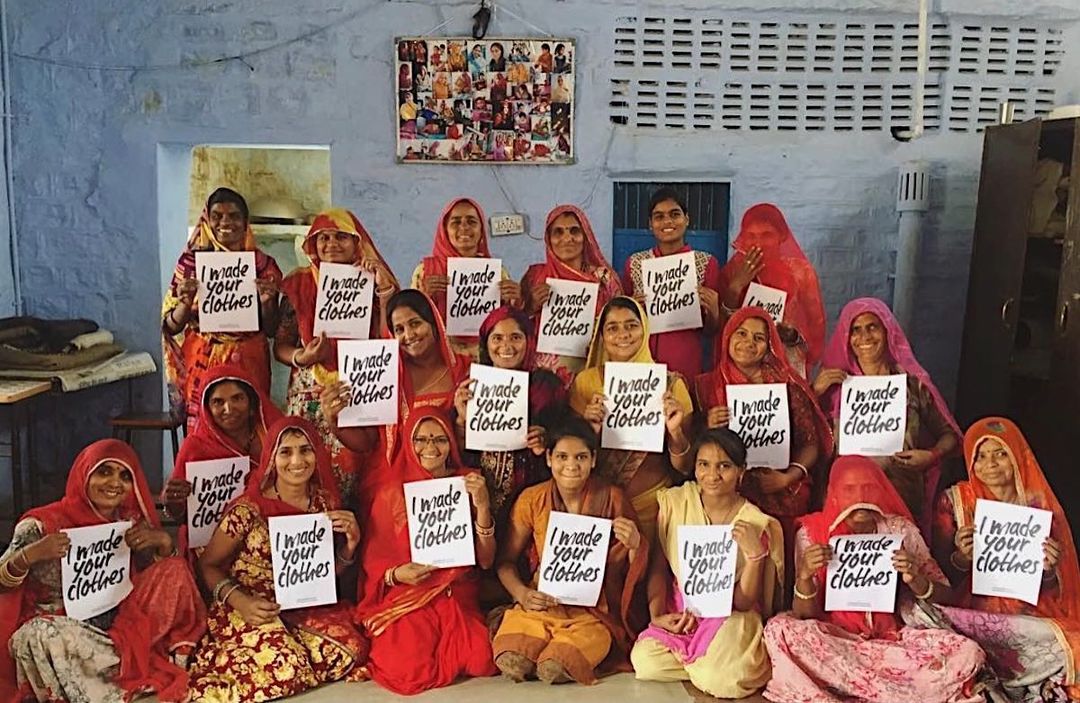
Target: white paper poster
(343, 304)
(707, 555)
(873, 415)
(472, 293)
(96, 573)
(575, 556)
(635, 406)
(228, 297)
(370, 367)
(566, 322)
(1008, 558)
(671, 293)
(772, 300)
(440, 522)
(302, 554)
(861, 576)
(760, 416)
(214, 484)
(498, 411)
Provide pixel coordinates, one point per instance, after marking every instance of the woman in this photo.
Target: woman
(1032, 648)
(622, 334)
(233, 422)
(426, 628)
(507, 342)
(498, 58)
(766, 252)
(253, 650)
(724, 657)
(869, 341)
(429, 372)
(573, 254)
(462, 232)
(188, 353)
(750, 351)
(833, 656)
(538, 637)
(141, 645)
(335, 237)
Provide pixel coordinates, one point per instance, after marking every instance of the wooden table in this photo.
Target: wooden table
(16, 405)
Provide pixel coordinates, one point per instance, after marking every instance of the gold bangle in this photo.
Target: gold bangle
(806, 596)
(220, 586)
(952, 560)
(388, 577)
(8, 579)
(929, 591)
(684, 452)
(484, 531)
(26, 559)
(343, 561)
(234, 589)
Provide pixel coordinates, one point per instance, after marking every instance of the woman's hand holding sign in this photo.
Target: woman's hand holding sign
(718, 416)
(412, 574)
(1052, 555)
(255, 610)
(684, 623)
(142, 536)
(312, 353)
(344, 522)
(534, 600)
(626, 531)
(334, 398)
(596, 411)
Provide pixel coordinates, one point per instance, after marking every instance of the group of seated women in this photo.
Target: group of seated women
(203, 624)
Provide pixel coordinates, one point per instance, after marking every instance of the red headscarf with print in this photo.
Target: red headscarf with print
(443, 248)
(386, 542)
(302, 286)
(784, 266)
(141, 662)
(855, 482)
(321, 486)
(546, 389)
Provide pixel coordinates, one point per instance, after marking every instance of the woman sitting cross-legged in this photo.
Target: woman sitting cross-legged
(724, 657)
(539, 637)
(253, 650)
(140, 646)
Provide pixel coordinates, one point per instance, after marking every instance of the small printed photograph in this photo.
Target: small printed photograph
(481, 110)
(563, 90)
(523, 148)
(421, 77)
(542, 106)
(478, 59)
(404, 76)
(522, 122)
(480, 85)
(440, 87)
(519, 52)
(543, 59)
(414, 149)
(562, 59)
(503, 115)
(502, 146)
(542, 85)
(541, 128)
(405, 51)
(456, 60)
(496, 57)
(522, 92)
(519, 73)
(439, 60)
(419, 52)
(560, 118)
(408, 111)
(463, 84)
(498, 87)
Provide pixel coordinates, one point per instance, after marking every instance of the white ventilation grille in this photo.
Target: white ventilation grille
(719, 72)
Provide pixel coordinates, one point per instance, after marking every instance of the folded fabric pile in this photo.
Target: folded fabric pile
(31, 343)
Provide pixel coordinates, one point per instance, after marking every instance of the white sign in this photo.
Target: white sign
(1008, 558)
(873, 415)
(302, 554)
(96, 573)
(568, 317)
(861, 577)
(575, 556)
(440, 522)
(772, 300)
(228, 296)
(343, 304)
(707, 555)
(473, 292)
(760, 416)
(214, 484)
(498, 412)
(370, 367)
(671, 293)
(635, 405)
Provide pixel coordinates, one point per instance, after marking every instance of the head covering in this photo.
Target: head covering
(598, 355)
(386, 542)
(855, 482)
(202, 237)
(321, 486)
(443, 248)
(75, 509)
(784, 266)
(546, 389)
(838, 355)
(1034, 491)
(775, 368)
(302, 286)
(593, 259)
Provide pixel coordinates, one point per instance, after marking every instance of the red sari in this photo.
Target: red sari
(208, 442)
(192, 353)
(422, 636)
(785, 267)
(808, 422)
(297, 328)
(162, 616)
(596, 269)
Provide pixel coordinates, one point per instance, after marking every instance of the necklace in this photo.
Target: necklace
(728, 515)
(277, 495)
(432, 382)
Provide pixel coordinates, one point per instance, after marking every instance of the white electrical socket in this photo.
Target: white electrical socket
(507, 223)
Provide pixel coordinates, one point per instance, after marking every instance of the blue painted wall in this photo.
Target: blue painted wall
(89, 148)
